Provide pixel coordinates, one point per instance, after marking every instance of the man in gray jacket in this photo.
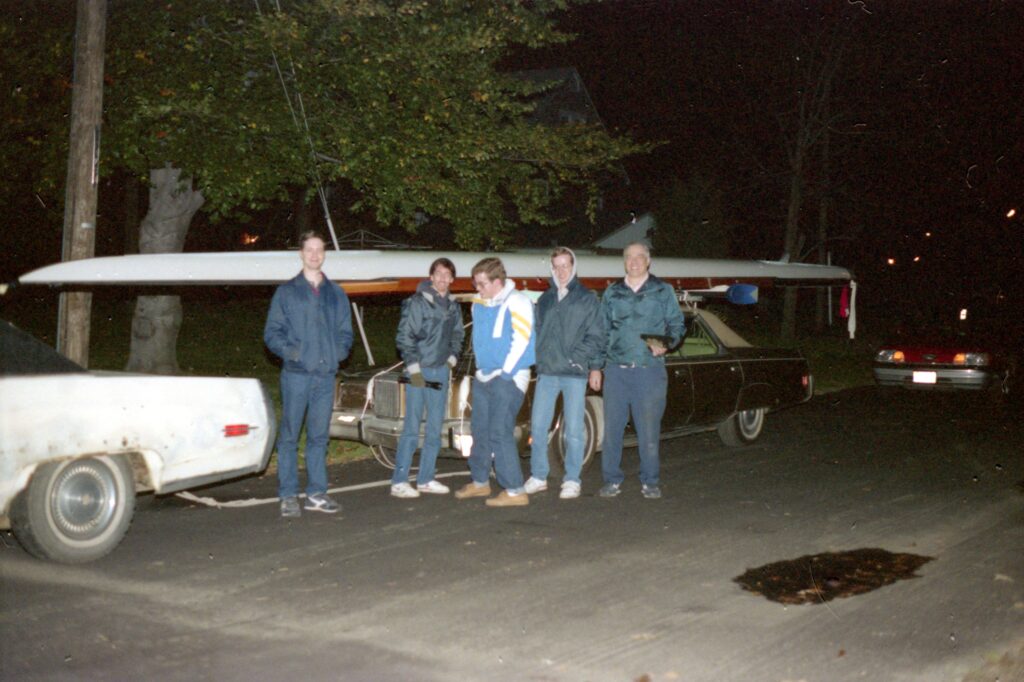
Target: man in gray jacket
(570, 343)
(430, 336)
(310, 328)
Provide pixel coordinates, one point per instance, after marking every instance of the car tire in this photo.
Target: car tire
(742, 428)
(75, 510)
(592, 432)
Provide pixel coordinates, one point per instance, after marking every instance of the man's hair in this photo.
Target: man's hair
(492, 267)
(563, 251)
(444, 263)
(647, 249)
(310, 234)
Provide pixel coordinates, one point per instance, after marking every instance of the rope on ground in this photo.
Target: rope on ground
(254, 502)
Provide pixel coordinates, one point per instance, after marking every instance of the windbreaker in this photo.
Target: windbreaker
(503, 338)
(628, 314)
(311, 332)
(570, 333)
(430, 330)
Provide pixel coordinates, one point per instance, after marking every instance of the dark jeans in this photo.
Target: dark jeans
(310, 396)
(640, 391)
(495, 406)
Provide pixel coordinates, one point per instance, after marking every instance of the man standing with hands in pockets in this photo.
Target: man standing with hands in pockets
(570, 343)
(310, 328)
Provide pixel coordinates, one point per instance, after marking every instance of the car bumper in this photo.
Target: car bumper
(385, 432)
(936, 378)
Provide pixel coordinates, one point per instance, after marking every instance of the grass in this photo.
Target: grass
(222, 335)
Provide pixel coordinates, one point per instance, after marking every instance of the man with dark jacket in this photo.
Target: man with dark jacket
(430, 335)
(644, 321)
(309, 327)
(570, 343)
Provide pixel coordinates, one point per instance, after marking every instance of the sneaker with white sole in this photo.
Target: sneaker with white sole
(290, 507)
(651, 492)
(534, 485)
(434, 487)
(322, 503)
(570, 490)
(609, 490)
(403, 490)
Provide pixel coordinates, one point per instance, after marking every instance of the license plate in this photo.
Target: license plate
(925, 377)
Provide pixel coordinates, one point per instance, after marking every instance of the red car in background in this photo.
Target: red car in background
(967, 355)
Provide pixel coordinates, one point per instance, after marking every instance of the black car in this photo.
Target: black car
(716, 380)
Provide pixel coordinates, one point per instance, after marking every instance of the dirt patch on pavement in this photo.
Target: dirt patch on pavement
(818, 578)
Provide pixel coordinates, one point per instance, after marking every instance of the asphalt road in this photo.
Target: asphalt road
(591, 589)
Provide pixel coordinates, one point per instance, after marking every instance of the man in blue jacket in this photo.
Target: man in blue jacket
(430, 336)
(639, 306)
(309, 327)
(570, 343)
(504, 348)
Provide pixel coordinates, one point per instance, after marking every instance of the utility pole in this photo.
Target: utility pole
(81, 193)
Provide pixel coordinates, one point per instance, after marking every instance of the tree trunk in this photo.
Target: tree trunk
(824, 200)
(81, 194)
(157, 319)
(788, 330)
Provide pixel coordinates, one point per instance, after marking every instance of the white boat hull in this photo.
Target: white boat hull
(379, 272)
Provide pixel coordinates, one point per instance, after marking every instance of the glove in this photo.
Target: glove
(416, 379)
(452, 360)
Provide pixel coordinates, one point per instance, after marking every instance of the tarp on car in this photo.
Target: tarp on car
(21, 353)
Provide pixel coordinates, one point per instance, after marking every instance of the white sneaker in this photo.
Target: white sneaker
(434, 487)
(404, 490)
(534, 485)
(570, 490)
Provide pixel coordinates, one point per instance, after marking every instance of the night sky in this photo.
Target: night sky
(926, 151)
(925, 135)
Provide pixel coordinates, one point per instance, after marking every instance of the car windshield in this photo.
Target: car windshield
(21, 353)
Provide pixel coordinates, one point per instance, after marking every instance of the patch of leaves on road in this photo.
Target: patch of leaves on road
(818, 578)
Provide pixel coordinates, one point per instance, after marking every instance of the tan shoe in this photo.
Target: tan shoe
(503, 499)
(473, 490)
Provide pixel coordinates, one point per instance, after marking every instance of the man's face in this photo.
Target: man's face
(562, 266)
(487, 288)
(441, 279)
(312, 254)
(637, 262)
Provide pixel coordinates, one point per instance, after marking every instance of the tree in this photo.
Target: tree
(400, 99)
(691, 220)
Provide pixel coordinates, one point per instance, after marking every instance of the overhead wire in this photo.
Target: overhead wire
(303, 127)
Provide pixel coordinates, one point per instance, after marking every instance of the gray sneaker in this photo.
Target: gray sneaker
(290, 507)
(610, 490)
(321, 503)
(651, 492)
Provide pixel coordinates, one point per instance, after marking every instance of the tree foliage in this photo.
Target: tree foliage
(400, 98)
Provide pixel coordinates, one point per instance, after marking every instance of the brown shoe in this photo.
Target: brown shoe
(473, 490)
(503, 499)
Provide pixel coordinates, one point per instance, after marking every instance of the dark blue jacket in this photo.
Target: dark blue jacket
(570, 332)
(653, 309)
(311, 332)
(430, 329)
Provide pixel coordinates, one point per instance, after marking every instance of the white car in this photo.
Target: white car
(76, 445)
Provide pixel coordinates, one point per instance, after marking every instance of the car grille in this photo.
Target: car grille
(387, 398)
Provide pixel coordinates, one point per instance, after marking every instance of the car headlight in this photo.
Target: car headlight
(889, 355)
(975, 359)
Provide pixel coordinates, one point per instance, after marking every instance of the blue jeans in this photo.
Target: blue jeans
(640, 390)
(418, 401)
(574, 391)
(496, 404)
(309, 396)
